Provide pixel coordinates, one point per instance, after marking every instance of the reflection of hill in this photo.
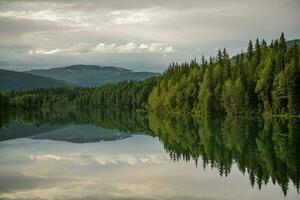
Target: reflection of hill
(73, 124)
(122, 120)
(82, 134)
(17, 130)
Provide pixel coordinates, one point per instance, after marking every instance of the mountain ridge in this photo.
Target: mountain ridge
(91, 75)
(12, 80)
(69, 76)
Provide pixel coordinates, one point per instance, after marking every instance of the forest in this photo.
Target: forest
(264, 79)
(129, 94)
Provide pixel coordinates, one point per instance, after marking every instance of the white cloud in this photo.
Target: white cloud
(130, 47)
(133, 47)
(66, 19)
(127, 48)
(141, 16)
(143, 46)
(43, 51)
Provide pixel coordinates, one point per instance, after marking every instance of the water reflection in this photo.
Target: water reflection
(267, 151)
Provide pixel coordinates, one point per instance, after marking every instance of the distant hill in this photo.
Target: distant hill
(291, 42)
(91, 75)
(11, 80)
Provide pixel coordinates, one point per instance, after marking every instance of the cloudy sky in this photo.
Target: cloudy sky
(136, 34)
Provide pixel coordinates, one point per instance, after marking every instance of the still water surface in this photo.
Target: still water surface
(83, 154)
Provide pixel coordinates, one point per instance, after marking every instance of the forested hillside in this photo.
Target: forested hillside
(11, 80)
(264, 79)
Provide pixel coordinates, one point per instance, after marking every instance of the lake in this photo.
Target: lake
(80, 153)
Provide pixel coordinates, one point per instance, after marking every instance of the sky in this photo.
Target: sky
(142, 35)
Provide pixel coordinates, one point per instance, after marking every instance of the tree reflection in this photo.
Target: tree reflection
(266, 149)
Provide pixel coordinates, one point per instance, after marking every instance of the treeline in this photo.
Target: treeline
(129, 94)
(52, 97)
(264, 79)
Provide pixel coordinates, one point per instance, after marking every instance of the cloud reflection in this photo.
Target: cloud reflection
(130, 159)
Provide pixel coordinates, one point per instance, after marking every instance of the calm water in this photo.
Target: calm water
(96, 154)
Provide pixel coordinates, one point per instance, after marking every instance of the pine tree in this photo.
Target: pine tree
(282, 51)
(250, 51)
(293, 73)
(257, 54)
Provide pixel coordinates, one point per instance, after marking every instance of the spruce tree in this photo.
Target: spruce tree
(250, 51)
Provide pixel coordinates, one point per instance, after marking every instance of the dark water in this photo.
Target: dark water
(112, 154)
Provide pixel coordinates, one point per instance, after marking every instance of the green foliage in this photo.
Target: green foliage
(38, 98)
(4, 101)
(234, 97)
(266, 79)
(133, 94)
(178, 88)
(279, 93)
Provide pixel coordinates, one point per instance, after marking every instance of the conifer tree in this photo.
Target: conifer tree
(250, 51)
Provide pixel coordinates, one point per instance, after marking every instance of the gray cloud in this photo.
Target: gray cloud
(62, 32)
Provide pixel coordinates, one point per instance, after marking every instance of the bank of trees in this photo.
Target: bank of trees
(52, 97)
(4, 101)
(129, 94)
(266, 78)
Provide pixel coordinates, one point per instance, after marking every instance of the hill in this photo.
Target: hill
(91, 75)
(11, 80)
(291, 42)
